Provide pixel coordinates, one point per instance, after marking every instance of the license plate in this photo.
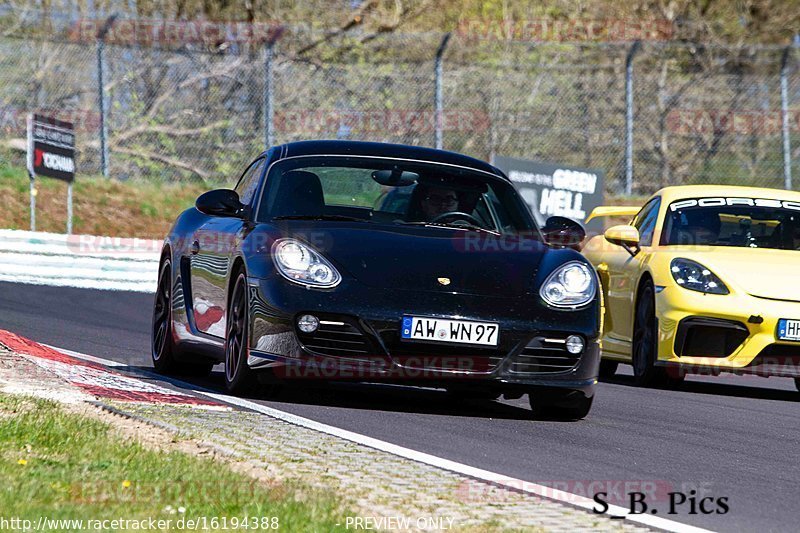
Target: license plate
(454, 331)
(788, 330)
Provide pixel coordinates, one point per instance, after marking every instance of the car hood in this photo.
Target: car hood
(757, 271)
(431, 259)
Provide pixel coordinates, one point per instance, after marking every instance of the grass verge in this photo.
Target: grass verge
(62, 465)
(101, 206)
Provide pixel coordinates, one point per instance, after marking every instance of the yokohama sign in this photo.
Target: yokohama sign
(51, 149)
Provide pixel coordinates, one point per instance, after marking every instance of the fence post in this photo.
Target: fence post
(629, 117)
(439, 104)
(101, 36)
(787, 148)
(269, 111)
(29, 160)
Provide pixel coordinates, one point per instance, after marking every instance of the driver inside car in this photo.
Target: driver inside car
(437, 201)
(794, 234)
(699, 227)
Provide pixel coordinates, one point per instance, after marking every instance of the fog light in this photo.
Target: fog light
(574, 344)
(308, 323)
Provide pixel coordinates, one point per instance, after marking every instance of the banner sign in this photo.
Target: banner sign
(551, 189)
(51, 151)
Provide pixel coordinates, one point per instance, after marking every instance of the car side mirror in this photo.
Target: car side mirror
(221, 203)
(625, 236)
(563, 232)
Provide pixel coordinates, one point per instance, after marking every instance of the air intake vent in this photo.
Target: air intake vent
(543, 355)
(336, 339)
(709, 337)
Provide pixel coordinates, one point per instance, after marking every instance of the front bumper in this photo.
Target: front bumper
(358, 339)
(751, 344)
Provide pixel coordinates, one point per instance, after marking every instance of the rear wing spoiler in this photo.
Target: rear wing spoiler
(613, 211)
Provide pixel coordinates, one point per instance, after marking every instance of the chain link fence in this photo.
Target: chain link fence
(648, 115)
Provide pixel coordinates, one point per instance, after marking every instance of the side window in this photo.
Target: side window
(248, 183)
(646, 220)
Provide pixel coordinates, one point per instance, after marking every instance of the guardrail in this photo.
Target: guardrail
(84, 261)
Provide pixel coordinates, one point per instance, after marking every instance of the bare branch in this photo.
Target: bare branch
(169, 130)
(177, 163)
(219, 72)
(354, 20)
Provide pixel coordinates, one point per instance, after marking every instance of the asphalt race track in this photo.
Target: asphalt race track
(729, 437)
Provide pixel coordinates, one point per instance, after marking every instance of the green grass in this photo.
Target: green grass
(65, 466)
(101, 206)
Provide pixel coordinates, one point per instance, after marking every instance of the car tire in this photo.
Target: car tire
(608, 368)
(239, 378)
(644, 346)
(565, 406)
(162, 345)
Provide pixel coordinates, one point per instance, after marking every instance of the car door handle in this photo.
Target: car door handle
(195, 247)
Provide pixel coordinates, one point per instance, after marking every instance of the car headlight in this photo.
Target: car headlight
(695, 277)
(301, 264)
(572, 284)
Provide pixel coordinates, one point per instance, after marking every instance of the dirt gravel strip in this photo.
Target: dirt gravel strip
(377, 483)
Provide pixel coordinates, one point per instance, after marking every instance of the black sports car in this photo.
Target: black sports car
(340, 260)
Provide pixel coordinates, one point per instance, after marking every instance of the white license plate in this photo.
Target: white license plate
(444, 330)
(788, 330)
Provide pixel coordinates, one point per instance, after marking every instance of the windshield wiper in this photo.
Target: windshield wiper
(321, 217)
(471, 227)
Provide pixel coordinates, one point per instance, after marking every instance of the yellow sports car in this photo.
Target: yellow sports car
(705, 279)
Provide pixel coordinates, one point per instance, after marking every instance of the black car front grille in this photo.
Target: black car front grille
(709, 337)
(543, 355)
(337, 339)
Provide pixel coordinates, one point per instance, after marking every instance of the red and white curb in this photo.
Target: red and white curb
(95, 378)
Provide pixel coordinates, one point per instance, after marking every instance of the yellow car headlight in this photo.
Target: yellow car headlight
(695, 277)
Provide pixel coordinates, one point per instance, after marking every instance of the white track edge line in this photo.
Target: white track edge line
(572, 500)
(87, 357)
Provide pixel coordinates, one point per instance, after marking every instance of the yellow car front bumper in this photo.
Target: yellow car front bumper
(755, 347)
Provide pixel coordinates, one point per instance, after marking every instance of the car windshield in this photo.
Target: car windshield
(736, 222)
(393, 192)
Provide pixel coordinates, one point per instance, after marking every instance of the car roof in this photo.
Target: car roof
(679, 192)
(375, 149)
